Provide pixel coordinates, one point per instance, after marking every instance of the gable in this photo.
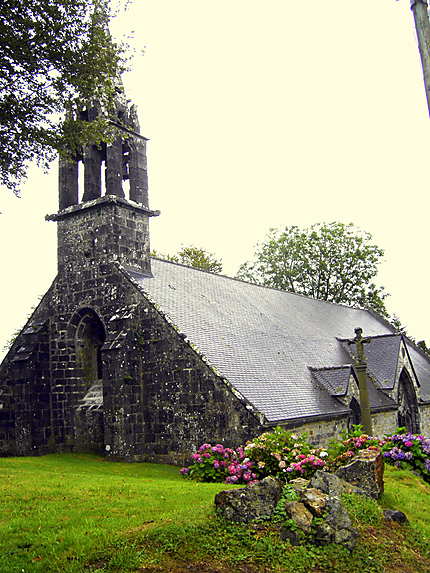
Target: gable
(421, 366)
(334, 379)
(382, 354)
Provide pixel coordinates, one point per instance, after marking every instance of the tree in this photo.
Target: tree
(57, 58)
(333, 262)
(194, 257)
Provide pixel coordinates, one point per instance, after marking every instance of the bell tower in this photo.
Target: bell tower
(103, 212)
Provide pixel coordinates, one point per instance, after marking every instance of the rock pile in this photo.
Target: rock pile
(318, 514)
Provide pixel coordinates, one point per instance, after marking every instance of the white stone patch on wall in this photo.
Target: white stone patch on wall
(425, 420)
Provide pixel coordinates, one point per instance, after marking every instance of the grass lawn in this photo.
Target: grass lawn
(74, 513)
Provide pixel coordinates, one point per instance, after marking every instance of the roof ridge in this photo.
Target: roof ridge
(323, 368)
(261, 286)
(372, 336)
(416, 347)
(386, 335)
(383, 320)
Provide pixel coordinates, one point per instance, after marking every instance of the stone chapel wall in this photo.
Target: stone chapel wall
(177, 402)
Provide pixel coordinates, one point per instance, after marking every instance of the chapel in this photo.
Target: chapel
(144, 359)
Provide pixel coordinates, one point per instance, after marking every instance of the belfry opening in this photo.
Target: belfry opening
(117, 168)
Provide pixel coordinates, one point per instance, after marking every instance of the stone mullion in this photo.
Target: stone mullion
(114, 168)
(138, 172)
(68, 183)
(92, 173)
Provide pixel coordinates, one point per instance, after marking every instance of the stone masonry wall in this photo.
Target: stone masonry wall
(177, 402)
(384, 423)
(323, 431)
(25, 415)
(103, 231)
(425, 419)
(102, 291)
(93, 238)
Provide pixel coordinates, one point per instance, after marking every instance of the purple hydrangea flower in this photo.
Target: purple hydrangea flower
(425, 444)
(204, 447)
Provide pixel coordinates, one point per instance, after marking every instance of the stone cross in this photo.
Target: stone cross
(360, 368)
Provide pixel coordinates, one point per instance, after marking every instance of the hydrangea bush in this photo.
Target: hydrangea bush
(407, 450)
(220, 464)
(341, 451)
(284, 454)
(287, 455)
(279, 453)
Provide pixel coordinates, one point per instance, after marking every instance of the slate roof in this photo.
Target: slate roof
(261, 340)
(377, 398)
(382, 354)
(421, 366)
(334, 379)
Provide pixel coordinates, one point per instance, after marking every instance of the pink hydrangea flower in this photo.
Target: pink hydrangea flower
(204, 447)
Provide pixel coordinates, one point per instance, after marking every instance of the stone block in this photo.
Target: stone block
(332, 485)
(300, 514)
(366, 471)
(315, 500)
(248, 503)
(336, 526)
(395, 515)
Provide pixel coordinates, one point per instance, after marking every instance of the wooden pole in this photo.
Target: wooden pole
(422, 26)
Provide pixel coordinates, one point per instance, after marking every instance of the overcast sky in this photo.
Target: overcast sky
(262, 114)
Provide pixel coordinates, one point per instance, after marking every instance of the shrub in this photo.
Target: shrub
(288, 494)
(220, 464)
(340, 452)
(408, 450)
(287, 455)
(284, 454)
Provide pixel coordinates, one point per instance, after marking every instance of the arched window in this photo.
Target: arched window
(89, 338)
(408, 413)
(355, 416)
